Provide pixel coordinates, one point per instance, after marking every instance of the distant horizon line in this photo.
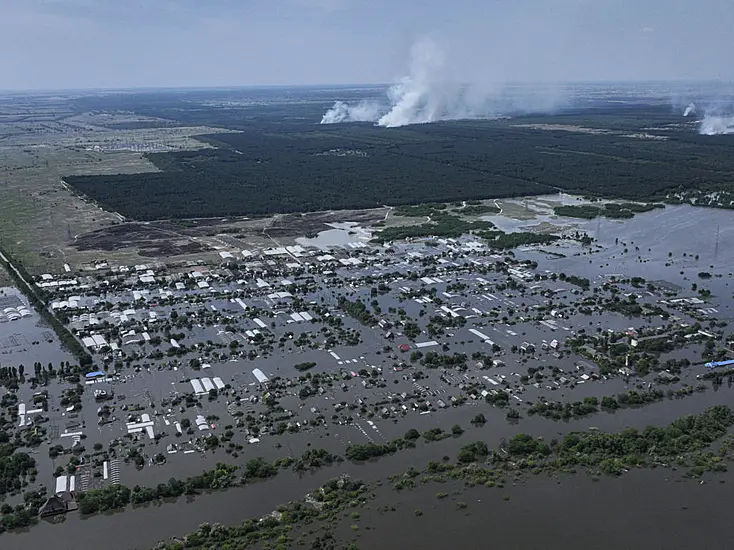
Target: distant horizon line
(173, 88)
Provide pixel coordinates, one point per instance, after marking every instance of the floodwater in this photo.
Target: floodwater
(143, 527)
(662, 236)
(343, 234)
(642, 509)
(27, 339)
(639, 510)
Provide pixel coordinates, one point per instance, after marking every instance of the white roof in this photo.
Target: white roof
(260, 375)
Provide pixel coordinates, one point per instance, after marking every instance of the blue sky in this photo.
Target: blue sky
(55, 44)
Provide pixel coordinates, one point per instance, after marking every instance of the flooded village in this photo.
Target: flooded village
(337, 354)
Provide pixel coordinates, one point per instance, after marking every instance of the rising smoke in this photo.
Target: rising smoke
(713, 125)
(717, 119)
(364, 111)
(428, 95)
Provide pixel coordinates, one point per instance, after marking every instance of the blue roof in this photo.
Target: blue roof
(714, 364)
(95, 374)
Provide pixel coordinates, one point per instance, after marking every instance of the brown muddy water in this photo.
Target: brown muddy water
(647, 510)
(560, 509)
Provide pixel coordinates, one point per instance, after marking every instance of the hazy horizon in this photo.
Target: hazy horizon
(59, 45)
(345, 85)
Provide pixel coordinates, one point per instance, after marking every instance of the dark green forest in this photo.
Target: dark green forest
(283, 161)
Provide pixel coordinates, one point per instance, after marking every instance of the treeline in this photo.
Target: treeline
(506, 241)
(557, 410)
(366, 451)
(686, 442)
(452, 227)
(441, 225)
(222, 476)
(610, 210)
(303, 367)
(23, 514)
(613, 453)
(324, 504)
(280, 161)
(479, 210)
(67, 339)
(12, 377)
(369, 450)
(419, 210)
(582, 282)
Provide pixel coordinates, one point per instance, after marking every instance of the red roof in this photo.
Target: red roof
(404, 347)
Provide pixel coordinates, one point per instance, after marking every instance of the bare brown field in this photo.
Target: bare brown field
(42, 221)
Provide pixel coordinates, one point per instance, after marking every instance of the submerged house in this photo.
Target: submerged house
(54, 505)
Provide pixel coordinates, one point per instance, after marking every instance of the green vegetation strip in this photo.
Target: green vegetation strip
(611, 210)
(441, 225)
(590, 405)
(327, 503)
(683, 443)
(450, 226)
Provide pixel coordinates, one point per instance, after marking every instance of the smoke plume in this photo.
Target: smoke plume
(713, 108)
(713, 125)
(342, 112)
(717, 119)
(426, 95)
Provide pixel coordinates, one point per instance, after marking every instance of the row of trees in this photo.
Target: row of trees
(610, 210)
(614, 452)
(222, 476)
(67, 338)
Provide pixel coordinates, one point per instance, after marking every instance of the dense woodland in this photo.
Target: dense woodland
(283, 161)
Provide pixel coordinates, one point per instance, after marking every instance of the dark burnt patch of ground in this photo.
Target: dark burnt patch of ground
(280, 225)
(166, 238)
(148, 240)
